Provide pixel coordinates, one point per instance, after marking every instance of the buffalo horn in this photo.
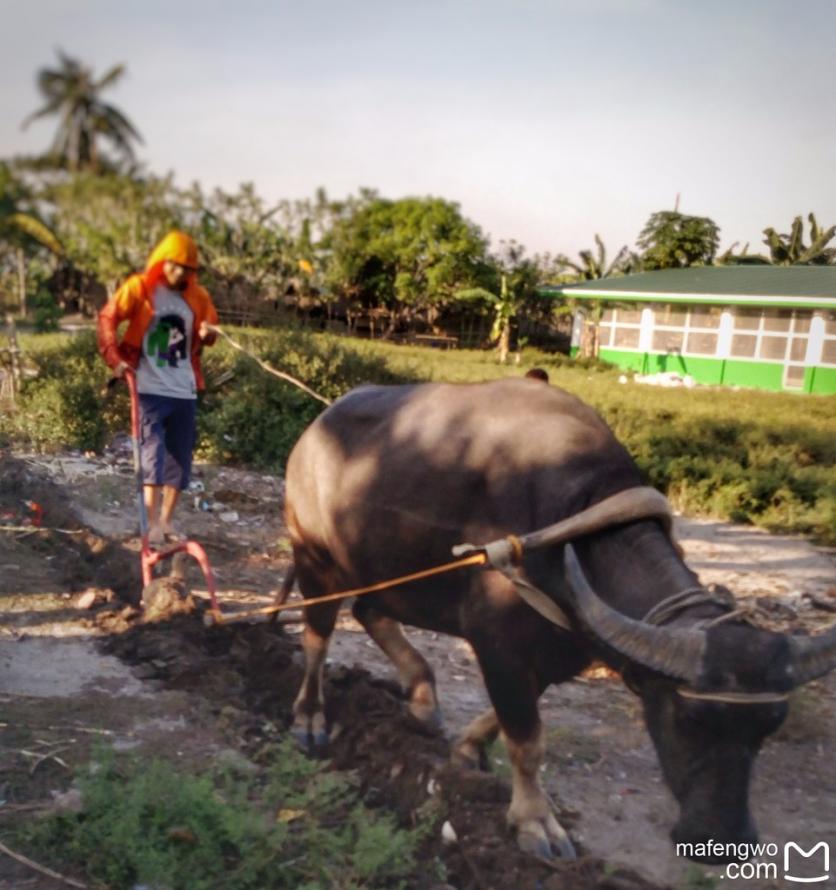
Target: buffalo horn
(675, 652)
(812, 657)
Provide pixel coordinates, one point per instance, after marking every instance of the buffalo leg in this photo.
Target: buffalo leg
(309, 708)
(415, 674)
(514, 693)
(471, 748)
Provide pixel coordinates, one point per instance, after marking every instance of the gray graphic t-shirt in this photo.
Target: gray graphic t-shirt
(165, 368)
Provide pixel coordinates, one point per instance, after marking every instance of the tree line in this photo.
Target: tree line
(77, 220)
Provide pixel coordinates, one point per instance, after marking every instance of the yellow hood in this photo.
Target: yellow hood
(177, 247)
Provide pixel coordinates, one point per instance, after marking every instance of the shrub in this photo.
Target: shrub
(763, 458)
(62, 406)
(255, 418)
(47, 312)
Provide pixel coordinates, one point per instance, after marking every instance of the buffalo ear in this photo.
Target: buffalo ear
(676, 652)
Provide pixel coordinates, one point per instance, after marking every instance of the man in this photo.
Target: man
(168, 315)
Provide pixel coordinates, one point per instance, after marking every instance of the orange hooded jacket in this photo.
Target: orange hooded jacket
(134, 302)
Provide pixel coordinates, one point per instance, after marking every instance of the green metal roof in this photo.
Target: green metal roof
(812, 287)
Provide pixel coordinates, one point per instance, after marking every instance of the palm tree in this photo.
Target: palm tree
(790, 250)
(17, 225)
(594, 265)
(730, 258)
(72, 92)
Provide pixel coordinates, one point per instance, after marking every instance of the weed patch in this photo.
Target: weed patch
(299, 826)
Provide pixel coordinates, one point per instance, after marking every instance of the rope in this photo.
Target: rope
(733, 697)
(266, 366)
(667, 608)
(30, 529)
(476, 559)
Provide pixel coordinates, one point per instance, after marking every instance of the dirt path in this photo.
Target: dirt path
(196, 694)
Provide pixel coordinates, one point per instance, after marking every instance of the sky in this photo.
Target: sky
(547, 121)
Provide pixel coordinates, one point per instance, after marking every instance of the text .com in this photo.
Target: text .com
(770, 861)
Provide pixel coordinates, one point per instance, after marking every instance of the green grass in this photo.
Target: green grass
(749, 456)
(295, 825)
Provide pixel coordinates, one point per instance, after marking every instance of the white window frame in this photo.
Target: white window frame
(616, 325)
(684, 329)
(821, 338)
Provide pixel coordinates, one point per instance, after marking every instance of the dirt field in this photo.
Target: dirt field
(75, 668)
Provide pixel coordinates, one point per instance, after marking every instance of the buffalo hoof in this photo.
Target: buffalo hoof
(470, 756)
(428, 717)
(310, 742)
(310, 733)
(423, 706)
(546, 838)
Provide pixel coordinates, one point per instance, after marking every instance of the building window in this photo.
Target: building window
(670, 316)
(775, 335)
(743, 346)
(619, 328)
(628, 316)
(628, 338)
(778, 320)
(705, 317)
(692, 331)
(794, 377)
(667, 341)
(798, 349)
(701, 343)
(828, 352)
(773, 348)
(747, 319)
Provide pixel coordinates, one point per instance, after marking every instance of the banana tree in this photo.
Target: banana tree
(504, 307)
(505, 311)
(20, 227)
(593, 265)
(790, 250)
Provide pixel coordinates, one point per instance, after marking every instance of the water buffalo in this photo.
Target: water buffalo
(389, 479)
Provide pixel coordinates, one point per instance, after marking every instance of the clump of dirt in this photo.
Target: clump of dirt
(249, 674)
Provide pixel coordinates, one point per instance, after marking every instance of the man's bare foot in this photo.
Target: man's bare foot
(156, 536)
(171, 534)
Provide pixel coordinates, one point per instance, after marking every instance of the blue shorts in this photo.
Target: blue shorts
(167, 434)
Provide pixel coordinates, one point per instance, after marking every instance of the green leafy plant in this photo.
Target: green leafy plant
(300, 826)
(47, 312)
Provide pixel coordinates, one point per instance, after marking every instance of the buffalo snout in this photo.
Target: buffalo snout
(714, 844)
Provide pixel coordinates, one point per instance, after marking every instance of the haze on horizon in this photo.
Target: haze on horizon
(546, 121)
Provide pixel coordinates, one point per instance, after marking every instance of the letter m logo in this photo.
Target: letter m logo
(807, 854)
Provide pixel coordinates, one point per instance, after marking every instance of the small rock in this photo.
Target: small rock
(615, 806)
(448, 834)
(67, 802)
(819, 602)
(229, 516)
(86, 600)
(236, 762)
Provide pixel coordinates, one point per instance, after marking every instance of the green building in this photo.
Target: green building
(757, 326)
